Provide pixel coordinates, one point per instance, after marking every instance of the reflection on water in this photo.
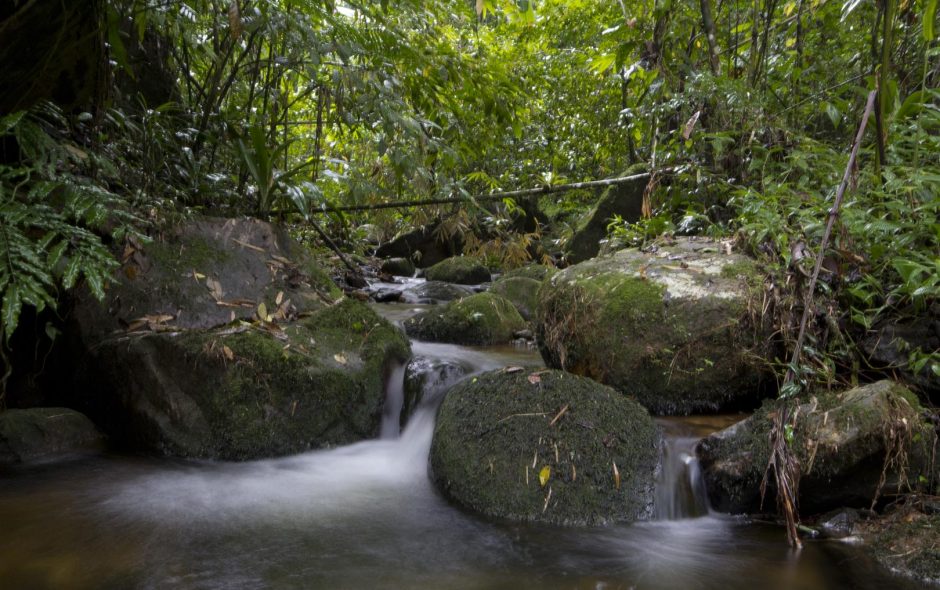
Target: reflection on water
(362, 516)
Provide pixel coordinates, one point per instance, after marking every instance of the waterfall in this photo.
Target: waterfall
(680, 488)
(394, 398)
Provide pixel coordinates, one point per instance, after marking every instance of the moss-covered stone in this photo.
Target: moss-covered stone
(625, 200)
(521, 292)
(538, 272)
(840, 439)
(41, 433)
(543, 447)
(459, 269)
(671, 328)
(249, 392)
(905, 541)
(479, 319)
(401, 267)
(202, 273)
(434, 292)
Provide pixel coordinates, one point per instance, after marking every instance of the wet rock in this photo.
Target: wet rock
(460, 270)
(251, 391)
(671, 328)
(524, 334)
(625, 200)
(543, 447)
(44, 433)
(426, 381)
(423, 244)
(839, 524)
(890, 345)
(841, 441)
(479, 319)
(386, 295)
(905, 542)
(434, 292)
(164, 369)
(521, 291)
(401, 267)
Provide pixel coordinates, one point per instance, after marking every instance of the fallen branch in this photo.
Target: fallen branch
(541, 190)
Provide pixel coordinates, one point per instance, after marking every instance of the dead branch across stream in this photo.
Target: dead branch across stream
(541, 190)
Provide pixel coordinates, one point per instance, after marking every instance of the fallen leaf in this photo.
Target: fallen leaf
(279, 298)
(544, 475)
(534, 379)
(512, 369)
(263, 311)
(215, 289)
(616, 476)
(130, 271)
(227, 352)
(198, 275)
(340, 358)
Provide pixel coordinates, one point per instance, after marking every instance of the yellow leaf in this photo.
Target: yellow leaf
(340, 358)
(262, 311)
(279, 298)
(228, 353)
(544, 474)
(198, 276)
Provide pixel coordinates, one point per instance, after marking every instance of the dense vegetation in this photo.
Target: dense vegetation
(742, 112)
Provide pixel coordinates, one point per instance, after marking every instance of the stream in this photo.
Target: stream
(367, 516)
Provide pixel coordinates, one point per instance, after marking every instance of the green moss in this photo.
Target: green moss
(459, 269)
(521, 291)
(497, 432)
(318, 382)
(479, 319)
(538, 272)
(685, 348)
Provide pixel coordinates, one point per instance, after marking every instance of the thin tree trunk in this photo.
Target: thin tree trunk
(708, 24)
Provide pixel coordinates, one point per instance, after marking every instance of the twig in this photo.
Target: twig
(518, 415)
(558, 415)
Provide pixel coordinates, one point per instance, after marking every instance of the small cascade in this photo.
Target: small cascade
(680, 488)
(394, 398)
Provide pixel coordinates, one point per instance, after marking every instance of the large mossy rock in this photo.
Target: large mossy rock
(402, 267)
(841, 441)
(244, 392)
(204, 273)
(671, 328)
(548, 447)
(480, 319)
(424, 245)
(461, 270)
(43, 433)
(538, 272)
(165, 365)
(521, 292)
(625, 200)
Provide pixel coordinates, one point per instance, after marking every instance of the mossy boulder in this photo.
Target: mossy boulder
(625, 200)
(401, 267)
(521, 292)
(480, 319)
(249, 391)
(434, 292)
(203, 273)
(672, 328)
(44, 433)
(905, 541)
(841, 441)
(461, 270)
(538, 272)
(543, 447)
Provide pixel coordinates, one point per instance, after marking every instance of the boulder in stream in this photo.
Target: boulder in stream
(402, 267)
(674, 327)
(434, 292)
(480, 319)
(43, 433)
(842, 441)
(461, 270)
(224, 339)
(546, 446)
(521, 292)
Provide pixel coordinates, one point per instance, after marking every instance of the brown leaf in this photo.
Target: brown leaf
(616, 475)
(131, 271)
(534, 379)
(215, 289)
(512, 369)
(227, 353)
(340, 358)
(690, 125)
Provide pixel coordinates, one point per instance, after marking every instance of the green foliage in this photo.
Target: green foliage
(51, 218)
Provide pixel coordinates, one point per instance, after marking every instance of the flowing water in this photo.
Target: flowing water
(367, 516)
